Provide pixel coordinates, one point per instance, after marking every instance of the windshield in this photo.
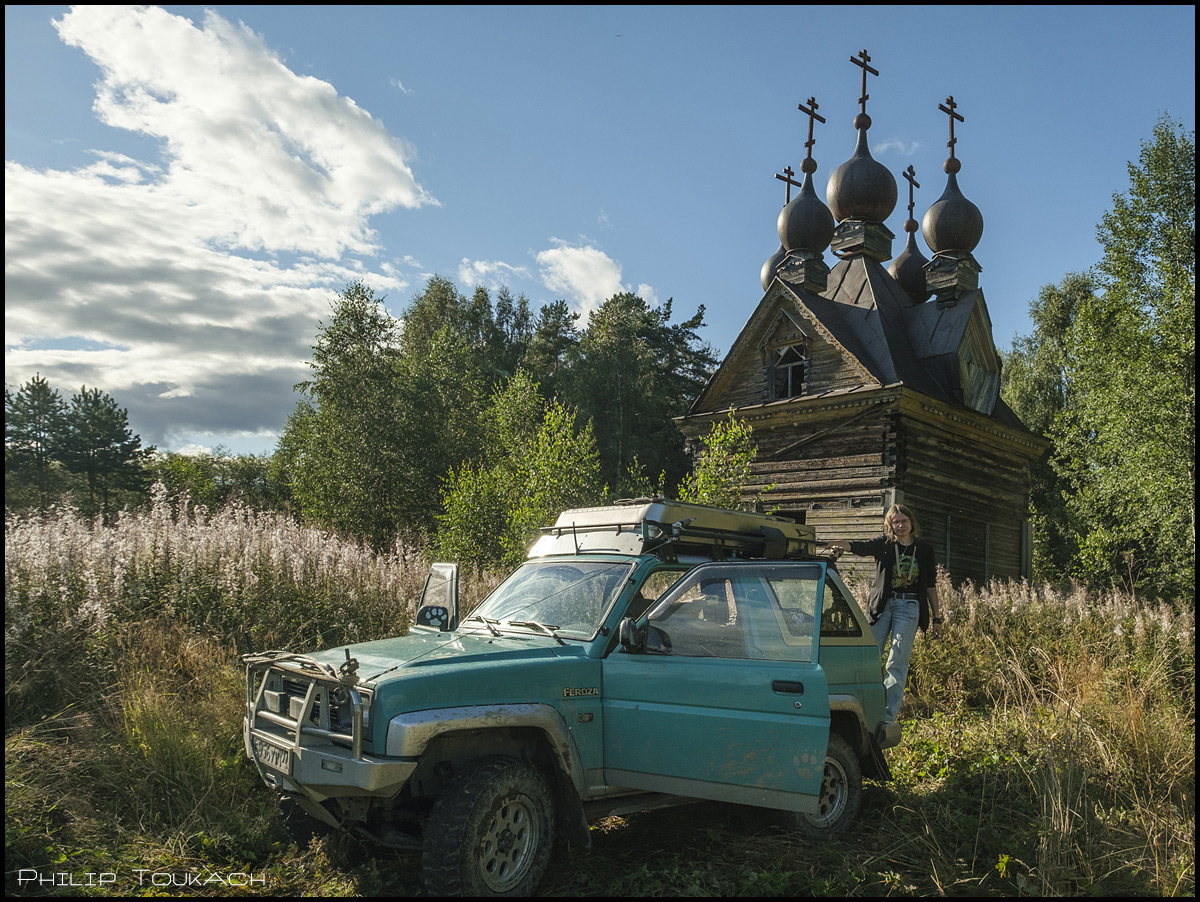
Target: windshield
(570, 598)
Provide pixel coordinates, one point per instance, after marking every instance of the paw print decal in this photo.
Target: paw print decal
(432, 615)
(804, 764)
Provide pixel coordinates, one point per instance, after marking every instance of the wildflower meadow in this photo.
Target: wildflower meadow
(1049, 738)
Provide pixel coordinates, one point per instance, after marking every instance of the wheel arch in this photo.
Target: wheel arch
(446, 741)
(846, 719)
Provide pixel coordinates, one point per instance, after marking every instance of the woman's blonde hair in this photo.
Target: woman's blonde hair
(887, 522)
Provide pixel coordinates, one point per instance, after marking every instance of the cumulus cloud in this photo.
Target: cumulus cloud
(584, 275)
(268, 159)
(491, 274)
(164, 282)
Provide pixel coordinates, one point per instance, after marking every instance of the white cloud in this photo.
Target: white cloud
(583, 274)
(490, 274)
(161, 282)
(647, 294)
(904, 148)
(262, 158)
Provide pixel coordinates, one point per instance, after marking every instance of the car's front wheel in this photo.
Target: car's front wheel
(840, 795)
(491, 833)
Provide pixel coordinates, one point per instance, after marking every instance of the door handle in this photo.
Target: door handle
(792, 686)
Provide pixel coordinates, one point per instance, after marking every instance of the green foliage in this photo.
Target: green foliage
(1109, 376)
(98, 443)
(34, 422)
(1057, 729)
(630, 373)
(215, 479)
(554, 336)
(395, 406)
(723, 474)
(1034, 385)
(537, 464)
(1126, 441)
(84, 453)
(343, 451)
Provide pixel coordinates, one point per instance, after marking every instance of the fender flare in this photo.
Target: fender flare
(410, 733)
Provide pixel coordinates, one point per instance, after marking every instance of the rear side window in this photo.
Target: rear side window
(751, 611)
(837, 617)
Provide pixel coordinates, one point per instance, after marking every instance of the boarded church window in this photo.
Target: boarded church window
(789, 371)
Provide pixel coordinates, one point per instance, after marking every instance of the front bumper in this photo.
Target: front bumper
(303, 729)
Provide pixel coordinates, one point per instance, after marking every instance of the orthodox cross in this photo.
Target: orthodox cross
(911, 175)
(950, 111)
(788, 172)
(809, 164)
(862, 61)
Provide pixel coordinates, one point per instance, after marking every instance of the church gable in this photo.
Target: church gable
(978, 363)
(783, 352)
(958, 350)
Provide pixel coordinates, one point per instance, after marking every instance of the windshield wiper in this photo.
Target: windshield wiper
(533, 624)
(487, 623)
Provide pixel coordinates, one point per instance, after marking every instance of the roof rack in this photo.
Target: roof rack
(674, 528)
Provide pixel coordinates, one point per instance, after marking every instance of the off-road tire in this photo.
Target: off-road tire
(840, 794)
(491, 834)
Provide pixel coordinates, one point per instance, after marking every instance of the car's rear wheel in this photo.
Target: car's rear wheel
(491, 833)
(840, 796)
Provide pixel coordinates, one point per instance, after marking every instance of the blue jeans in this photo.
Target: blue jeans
(899, 617)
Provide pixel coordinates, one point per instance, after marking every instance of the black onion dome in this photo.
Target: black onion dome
(953, 223)
(908, 269)
(805, 224)
(771, 267)
(861, 188)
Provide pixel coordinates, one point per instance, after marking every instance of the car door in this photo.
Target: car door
(725, 700)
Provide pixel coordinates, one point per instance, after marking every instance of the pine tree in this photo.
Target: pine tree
(98, 444)
(34, 424)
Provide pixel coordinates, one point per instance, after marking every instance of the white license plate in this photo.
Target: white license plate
(271, 756)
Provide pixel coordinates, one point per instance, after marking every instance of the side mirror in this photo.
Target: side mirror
(439, 598)
(632, 639)
(643, 639)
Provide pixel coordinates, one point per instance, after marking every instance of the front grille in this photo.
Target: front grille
(289, 701)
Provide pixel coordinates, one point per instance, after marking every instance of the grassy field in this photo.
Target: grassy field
(1049, 743)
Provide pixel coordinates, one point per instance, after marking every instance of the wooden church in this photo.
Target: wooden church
(867, 386)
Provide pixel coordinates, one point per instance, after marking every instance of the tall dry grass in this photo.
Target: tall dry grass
(1081, 706)
(122, 684)
(74, 589)
(1049, 740)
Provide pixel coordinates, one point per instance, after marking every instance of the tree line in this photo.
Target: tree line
(465, 423)
(83, 448)
(469, 422)
(1109, 376)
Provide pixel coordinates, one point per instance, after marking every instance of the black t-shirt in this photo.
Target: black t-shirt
(898, 568)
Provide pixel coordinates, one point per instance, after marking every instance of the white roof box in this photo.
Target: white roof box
(674, 528)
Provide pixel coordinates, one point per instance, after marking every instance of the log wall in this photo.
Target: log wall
(839, 467)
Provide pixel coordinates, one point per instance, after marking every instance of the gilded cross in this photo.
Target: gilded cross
(811, 112)
(788, 172)
(950, 111)
(862, 61)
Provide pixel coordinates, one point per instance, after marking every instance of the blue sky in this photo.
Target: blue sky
(186, 188)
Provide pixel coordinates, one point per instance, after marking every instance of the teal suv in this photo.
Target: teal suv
(646, 654)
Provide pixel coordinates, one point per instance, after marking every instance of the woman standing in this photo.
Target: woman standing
(903, 597)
